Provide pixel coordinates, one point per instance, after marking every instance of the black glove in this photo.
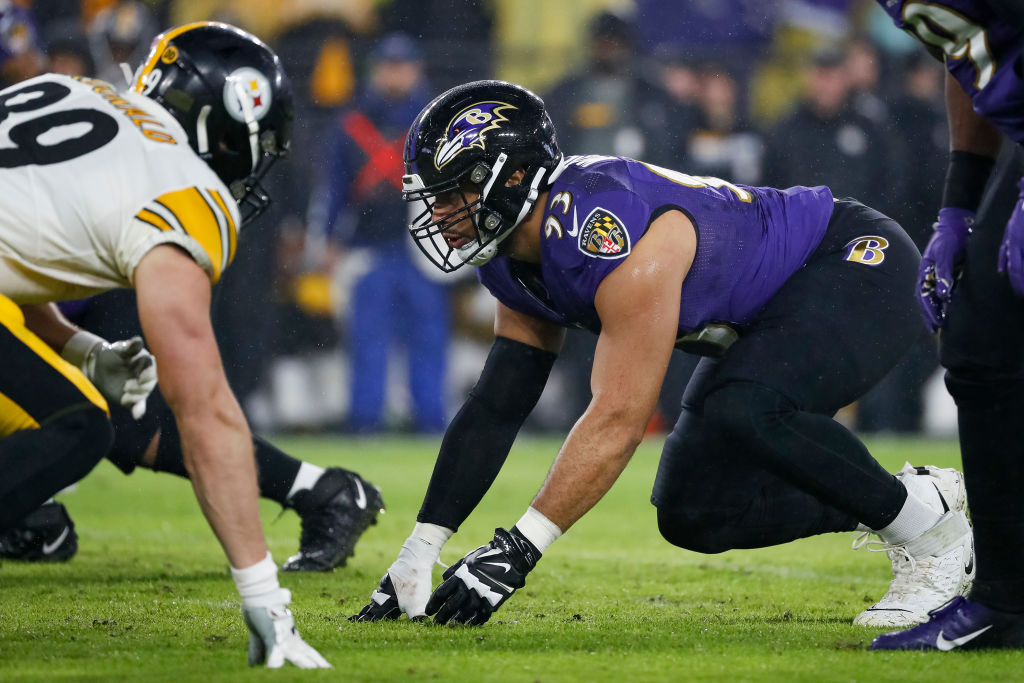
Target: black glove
(477, 585)
(383, 603)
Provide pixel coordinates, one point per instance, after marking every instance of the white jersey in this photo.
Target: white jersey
(91, 180)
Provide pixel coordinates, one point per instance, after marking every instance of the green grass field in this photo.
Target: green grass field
(148, 596)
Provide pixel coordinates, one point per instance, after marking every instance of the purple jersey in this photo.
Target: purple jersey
(980, 51)
(749, 241)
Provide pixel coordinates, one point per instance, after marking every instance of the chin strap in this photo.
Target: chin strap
(250, 120)
(481, 255)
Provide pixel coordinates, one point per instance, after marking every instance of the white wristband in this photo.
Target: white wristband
(259, 579)
(538, 529)
(77, 349)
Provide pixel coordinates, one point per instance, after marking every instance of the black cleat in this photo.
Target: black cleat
(334, 513)
(47, 534)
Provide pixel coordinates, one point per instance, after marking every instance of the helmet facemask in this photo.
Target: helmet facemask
(494, 214)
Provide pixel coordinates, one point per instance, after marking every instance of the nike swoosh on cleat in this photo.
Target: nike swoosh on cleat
(49, 548)
(360, 494)
(947, 645)
(945, 505)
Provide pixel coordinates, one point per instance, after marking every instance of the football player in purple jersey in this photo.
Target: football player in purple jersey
(969, 286)
(799, 301)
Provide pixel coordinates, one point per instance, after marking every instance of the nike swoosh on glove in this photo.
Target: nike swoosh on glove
(478, 584)
(273, 639)
(940, 264)
(1011, 251)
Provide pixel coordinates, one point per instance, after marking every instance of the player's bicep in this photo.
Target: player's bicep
(527, 329)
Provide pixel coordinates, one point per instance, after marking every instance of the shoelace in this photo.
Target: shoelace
(904, 582)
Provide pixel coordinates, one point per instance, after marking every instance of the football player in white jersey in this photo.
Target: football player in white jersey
(146, 189)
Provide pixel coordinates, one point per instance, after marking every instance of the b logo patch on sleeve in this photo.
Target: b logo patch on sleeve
(602, 235)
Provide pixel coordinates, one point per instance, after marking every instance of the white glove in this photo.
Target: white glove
(273, 639)
(124, 371)
(407, 585)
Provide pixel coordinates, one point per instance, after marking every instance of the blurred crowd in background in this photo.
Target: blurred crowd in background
(330, 320)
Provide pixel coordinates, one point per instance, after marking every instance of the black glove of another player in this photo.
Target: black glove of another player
(477, 585)
(383, 603)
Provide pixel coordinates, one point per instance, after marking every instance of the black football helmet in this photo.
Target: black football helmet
(229, 92)
(475, 136)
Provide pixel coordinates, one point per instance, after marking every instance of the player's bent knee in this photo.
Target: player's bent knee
(692, 531)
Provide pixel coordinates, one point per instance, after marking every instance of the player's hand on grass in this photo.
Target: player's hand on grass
(940, 264)
(273, 639)
(406, 586)
(1011, 251)
(478, 584)
(123, 371)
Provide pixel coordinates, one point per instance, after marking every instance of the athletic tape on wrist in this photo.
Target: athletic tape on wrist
(259, 579)
(433, 534)
(538, 529)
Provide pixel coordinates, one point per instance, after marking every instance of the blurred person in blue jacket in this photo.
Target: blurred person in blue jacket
(358, 215)
(20, 53)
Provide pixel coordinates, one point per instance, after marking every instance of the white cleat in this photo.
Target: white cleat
(936, 566)
(942, 489)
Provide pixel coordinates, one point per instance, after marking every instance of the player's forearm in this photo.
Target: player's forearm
(598, 448)
(968, 130)
(46, 321)
(479, 438)
(217, 447)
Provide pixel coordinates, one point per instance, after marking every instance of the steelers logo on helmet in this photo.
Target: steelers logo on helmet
(468, 129)
(254, 87)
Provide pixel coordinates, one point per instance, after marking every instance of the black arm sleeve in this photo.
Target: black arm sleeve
(480, 436)
(966, 179)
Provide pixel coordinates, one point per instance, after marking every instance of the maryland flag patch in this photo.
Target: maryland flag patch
(602, 235)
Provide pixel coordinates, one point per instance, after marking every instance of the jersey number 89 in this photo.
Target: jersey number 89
(54, 137)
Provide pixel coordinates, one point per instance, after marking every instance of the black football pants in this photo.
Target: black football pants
(755, 458)
(53, 421)
(982, 348)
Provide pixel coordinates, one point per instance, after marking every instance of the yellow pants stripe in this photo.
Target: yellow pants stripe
(13, 416)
